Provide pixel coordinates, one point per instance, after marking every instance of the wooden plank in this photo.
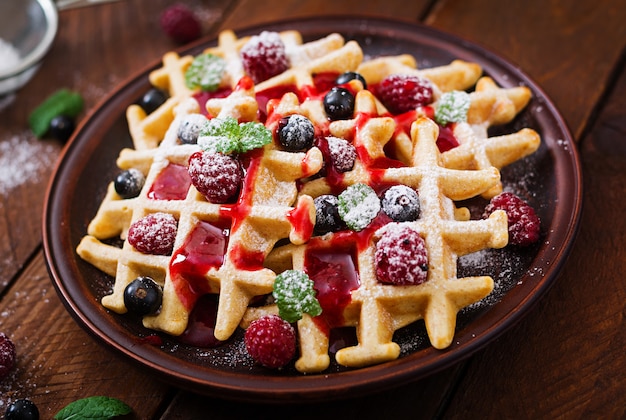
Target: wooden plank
(567, 356)
(251, 12)
(568, 48)
(58, 362)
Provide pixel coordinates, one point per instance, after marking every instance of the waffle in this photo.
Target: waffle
(269, 227)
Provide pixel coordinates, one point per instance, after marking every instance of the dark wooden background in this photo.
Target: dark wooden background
(565, 359)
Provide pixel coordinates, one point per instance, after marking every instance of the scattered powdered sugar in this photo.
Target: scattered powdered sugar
(24, 159)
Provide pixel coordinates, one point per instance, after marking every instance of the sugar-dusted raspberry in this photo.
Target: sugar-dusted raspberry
(7, 355)
(402, 92)
(264, 56)
(342, 154)
(215, 175)
(401, 256)
(524, 224)
(271, 341)
(180, 24)
(154, 234)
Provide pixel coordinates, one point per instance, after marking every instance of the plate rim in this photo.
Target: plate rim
(333, 385)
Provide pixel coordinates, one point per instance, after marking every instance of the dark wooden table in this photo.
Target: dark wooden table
(565, 359)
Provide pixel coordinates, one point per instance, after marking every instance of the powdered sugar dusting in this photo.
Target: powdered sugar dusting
(24, 159)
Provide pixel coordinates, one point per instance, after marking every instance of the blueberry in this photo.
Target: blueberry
(296, 132)
(128, 184)
(190, 127)
(22, 409)
(62, 127)
(351, 75)
(143, 296)
(327, 217)
(153, 99)
(401, 203)
(339, 103)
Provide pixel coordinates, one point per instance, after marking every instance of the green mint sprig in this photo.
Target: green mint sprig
(226, 135)
(295, 296)
(94, 408)
(452, 107)
(358, 205)
(205, 72)
(61, 102)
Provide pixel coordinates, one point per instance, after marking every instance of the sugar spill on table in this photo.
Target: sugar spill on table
(24, 159)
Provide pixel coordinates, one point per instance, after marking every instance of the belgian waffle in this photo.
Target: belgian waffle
(269, 227)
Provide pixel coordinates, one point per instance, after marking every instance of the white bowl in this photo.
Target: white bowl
(27, 30)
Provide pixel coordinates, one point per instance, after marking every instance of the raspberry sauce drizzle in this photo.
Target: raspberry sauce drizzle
(172, 183)
(202, 250)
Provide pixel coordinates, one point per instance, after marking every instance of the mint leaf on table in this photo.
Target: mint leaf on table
(226, 135)
(295, 295)
(93, 408)
(61, 102)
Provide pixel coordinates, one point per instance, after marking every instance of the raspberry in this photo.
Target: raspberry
(402, 92)
(7, 355)
(342, 154)
(215, 175)
(154, 234)
(179, 23)
(401, 257)
(271, 341)
(264, 56)
(524, 224)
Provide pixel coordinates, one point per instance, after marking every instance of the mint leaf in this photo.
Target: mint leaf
(93, 408)
(295, 296)
(452, 107)
(61, 102)
(226, 135)
(205, 72)
(358, 205)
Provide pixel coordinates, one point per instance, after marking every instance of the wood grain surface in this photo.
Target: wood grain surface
(565, 359)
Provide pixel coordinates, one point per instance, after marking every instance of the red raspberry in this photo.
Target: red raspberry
(180, 24)
(524, 224)
(271, 341)
(154, 234)
(215, 175)
(263, 56)
(7, 355)
(401, 257)
(403, 92)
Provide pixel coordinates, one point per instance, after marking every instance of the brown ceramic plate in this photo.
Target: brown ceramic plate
(550, 179)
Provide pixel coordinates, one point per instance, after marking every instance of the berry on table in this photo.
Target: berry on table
(152, 100)
(143, 296)
(401, 203)
(62, 127)
(154, 234)
(402, 92)
(351, 75)
(401, 257)
(128, 184)
(342, 154)
(7, 355)
(264, 56)
(296, 132)
(339, 103)
(524, 224)
(327, 217)
(215, 175)
(22, 409)
(271, 341)
(190, 127)
(180, 23)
